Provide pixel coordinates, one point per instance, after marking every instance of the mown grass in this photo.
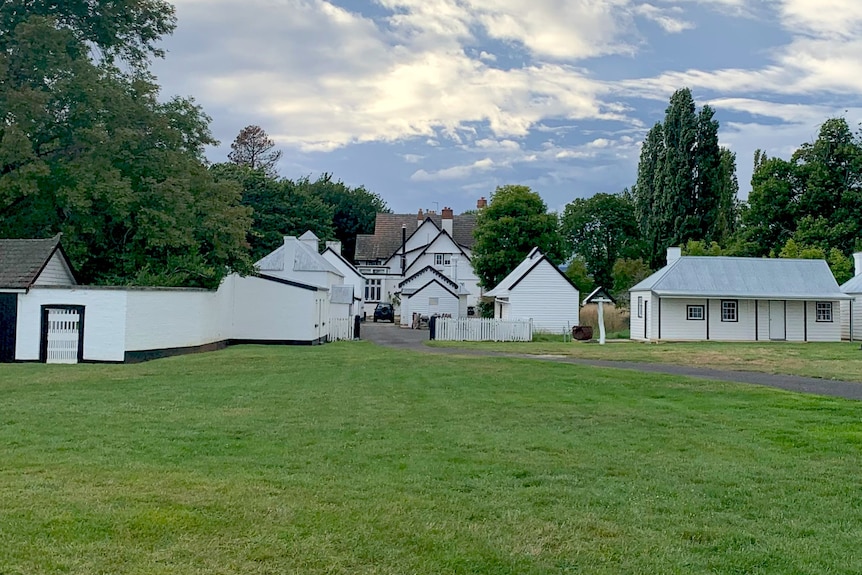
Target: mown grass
(842, 361)
(350, 458)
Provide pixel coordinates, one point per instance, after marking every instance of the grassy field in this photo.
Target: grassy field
(350, 458)
(827, 360)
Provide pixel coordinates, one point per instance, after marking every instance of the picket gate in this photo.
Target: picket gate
(483, 329)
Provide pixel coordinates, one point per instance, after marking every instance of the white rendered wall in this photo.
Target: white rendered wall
(547, 298)
(266, 310)
(104, 321)
(172, 318)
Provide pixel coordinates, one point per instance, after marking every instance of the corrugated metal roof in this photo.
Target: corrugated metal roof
(502, 288)
(854, 285)
(754, 278)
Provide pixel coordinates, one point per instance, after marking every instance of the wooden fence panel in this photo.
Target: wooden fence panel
(340, 328)
(483, 329)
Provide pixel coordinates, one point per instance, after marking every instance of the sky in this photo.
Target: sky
(435, 103)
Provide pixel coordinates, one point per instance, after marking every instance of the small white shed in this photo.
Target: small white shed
(429, 292)
(851, 310)
(536, 289)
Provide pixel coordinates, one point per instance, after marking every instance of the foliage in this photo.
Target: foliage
(600, 230)
(840, 265)
(89, 150)
(815, 198)
(580, 276)
(626, 274)
(354, 210)
(272, 459)
(697, 248)
(686, 184)
(253, 148)
(279, 207)
(515, 221)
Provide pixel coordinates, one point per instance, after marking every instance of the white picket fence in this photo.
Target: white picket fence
(340, 328)
(483, 329)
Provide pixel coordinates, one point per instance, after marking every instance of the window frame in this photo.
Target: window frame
(690, 308)
(442, 259)
(640, 306)
(735, 308)
(372, 287)
(827, 305)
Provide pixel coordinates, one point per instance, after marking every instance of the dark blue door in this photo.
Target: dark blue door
(8, 326)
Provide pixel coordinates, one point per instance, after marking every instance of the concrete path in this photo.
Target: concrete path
(390, 335)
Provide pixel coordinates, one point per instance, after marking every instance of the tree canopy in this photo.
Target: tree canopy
(89, 150)
(686, 184)
(600, 230)
(515, 221)
(253, 148)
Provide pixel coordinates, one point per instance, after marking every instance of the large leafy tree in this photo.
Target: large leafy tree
(87, 148)
(253, 148)
(685, 180)
(515, 221)
(600, 230)
(279, 207)
(354, 210)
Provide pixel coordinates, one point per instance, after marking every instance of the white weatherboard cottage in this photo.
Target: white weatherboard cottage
(352, 277)
(737, 299)
(539, 291)
(45, 316)
(429, 292)
(851, 310)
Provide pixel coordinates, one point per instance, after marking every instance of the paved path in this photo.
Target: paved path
(414, 340)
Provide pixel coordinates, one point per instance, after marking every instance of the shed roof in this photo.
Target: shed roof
(750, 278)
(21, 261)
(853, 285)
(386, 239)
(522, 270)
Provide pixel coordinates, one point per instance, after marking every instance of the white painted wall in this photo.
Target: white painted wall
(674, 319)
(637, 322)
(351, 277)
(56, 273)
(265, 310)
(547, 298)
(172, 318)
(104, 321)
(824, 330)
(856, 319)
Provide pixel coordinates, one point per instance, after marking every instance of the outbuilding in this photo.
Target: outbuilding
(536, 289)
(737, 299)
(851, 310)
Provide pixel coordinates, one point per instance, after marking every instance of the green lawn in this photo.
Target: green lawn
(350, 458)
(827, 360)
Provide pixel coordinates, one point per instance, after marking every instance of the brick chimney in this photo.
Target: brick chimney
(420, 217)
(481, 203)
(447, 220)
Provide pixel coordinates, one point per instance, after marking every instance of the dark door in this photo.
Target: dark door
(8, 326)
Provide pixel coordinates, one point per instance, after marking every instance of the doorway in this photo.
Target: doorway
(62, 334)
(777, 320)
(8, 326)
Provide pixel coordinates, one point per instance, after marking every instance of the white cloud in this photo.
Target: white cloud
(412, 158)
(663, 18)
(455, 172)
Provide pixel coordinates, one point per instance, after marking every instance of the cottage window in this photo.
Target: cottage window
(442, 259)
(433, 301)
(640, 306)
(824, 311)
(728, 310)
(694, 312)
(372, 290)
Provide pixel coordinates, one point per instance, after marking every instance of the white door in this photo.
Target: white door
(64, 333)
(777, 328)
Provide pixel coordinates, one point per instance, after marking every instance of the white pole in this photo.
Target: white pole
(601, 323)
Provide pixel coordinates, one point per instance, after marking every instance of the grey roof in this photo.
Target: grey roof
(305, 258)
(750, 278)
(386, 239)
(853, 285)
(341, 294)
(21, 261)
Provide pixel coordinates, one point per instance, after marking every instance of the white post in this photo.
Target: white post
(601, 322)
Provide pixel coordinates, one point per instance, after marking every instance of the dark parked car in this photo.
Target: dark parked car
(384, 312)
